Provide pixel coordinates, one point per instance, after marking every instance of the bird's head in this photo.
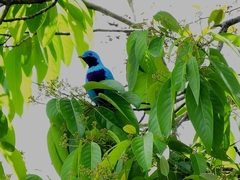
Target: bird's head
(91, 58)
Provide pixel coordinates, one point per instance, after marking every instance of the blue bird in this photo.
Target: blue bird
(96, 72)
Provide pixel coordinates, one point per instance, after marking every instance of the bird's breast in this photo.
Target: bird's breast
(96, 75)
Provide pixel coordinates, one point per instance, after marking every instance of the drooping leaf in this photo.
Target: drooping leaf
(90, 155)
(46, 32)
(168, 21)
(124, 109)
(15, 160)
(19, 32)
(36, 22)
(69, 166)
(105, 84)
(53, 62)
(33, 177)
(141, 45)
(132, 98)
(153, 123)
(165, 102)
(39, 61)
(72, 111)
(57, 153)
(164, 166)
(143, 149)
(106, 119)
(199, 163)
(233, 38)
(3, 81)
(193, 78)
(178, 78)
(229, 79)
(53, 113)
(14, 79)
(3, 124)
(132, 69)
(201, 115)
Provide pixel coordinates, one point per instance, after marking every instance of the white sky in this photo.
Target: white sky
(31, 129)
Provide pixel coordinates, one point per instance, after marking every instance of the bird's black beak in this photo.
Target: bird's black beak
(82, 57)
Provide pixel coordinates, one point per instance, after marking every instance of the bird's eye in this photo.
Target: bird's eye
(90, 54)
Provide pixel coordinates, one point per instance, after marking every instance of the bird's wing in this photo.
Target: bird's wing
(108, 73)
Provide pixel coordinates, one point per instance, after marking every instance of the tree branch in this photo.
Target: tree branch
(33, 15)
(109, 13)
(224, 27)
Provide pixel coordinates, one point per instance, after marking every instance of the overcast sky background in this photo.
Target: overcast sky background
(31, 129)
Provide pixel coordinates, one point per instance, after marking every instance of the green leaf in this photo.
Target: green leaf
(129, 129)
(33, 177)
(132, 98)
(216, 54)
(90, 156)
(3, 81)
(199, 164)
(201, 115)
(112, 156)
(106, 119)
(36, 22)
(233, 38)
(194, 78)
(46, 32)
(39, 61)
(72, 111)
(220, 38)
(185, 50)
(209, 176)
(53, 113)
(2, 174)
(3, 124)
(164, 166)
(77, 34)
(156, 46)
(53, 63)
(229, 79)
(57, 153)
(104, 84)
(132, 69)
(217, 16)
(159, 146)
(153, 123)
(124, 109)
(19, 32)
(218, 115)
(165, 104)
(178, 76)
(69, 166)
(168, 21)
(15, 160)
(141, 45)
(14, 79)
(143, 149)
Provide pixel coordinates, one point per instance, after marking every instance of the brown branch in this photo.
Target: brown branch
(95, 7)
(33, 15)
(224, 27)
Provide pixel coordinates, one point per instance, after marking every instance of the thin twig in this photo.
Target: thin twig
(4, 13)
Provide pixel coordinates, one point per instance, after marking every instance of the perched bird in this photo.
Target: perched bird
(96, 72)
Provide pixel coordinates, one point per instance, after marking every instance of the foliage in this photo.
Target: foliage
(107, 142)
